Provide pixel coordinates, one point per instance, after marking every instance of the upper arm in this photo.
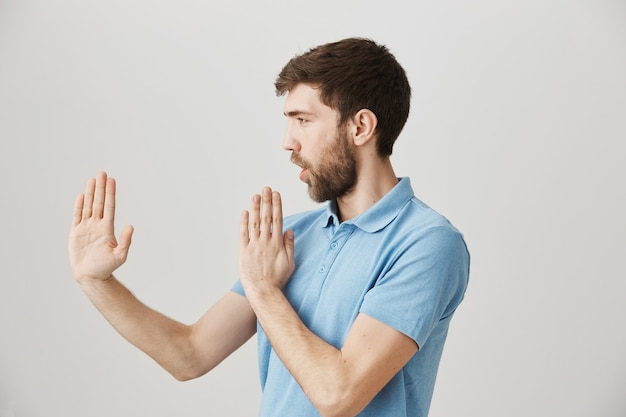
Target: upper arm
(373, 353)
(226, 326)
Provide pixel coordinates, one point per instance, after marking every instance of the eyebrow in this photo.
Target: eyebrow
(296, 113)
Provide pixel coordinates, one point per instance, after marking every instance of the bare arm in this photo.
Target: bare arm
(186, 351)
(339, 382)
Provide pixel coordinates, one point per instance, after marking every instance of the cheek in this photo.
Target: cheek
(318, 143)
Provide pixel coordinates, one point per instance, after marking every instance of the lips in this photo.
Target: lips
(297, 160)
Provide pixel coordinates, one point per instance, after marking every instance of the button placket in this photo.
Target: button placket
(333, 249)
(340, 237)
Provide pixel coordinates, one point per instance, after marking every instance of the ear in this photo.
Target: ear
(364, 127)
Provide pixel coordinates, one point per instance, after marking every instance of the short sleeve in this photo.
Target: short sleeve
(238, 288)
(424, 285)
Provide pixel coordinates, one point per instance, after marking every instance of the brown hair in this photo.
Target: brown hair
(354, 74)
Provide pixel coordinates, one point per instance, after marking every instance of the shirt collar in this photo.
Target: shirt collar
(380, 214)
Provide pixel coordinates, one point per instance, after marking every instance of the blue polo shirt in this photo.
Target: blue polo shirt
(399, 262)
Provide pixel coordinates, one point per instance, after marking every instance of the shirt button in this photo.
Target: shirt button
(333, 245)
(322, 269)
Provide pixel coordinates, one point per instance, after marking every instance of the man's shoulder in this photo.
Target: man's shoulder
(423, 217)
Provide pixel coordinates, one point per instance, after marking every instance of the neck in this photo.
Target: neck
(374, 181)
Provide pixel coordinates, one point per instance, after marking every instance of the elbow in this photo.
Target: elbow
(339, 403)
(181, 374)
(338, 409)
(187, 364)
(186, 374)
(183, 377)
(186, 370)
(190, 371)
(332, 411)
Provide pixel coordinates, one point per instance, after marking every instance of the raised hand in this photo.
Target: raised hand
(265, 253)
(93, 250)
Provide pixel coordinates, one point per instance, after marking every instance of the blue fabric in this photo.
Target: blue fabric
(399, 262)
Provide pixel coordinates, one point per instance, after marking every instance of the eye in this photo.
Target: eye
(302, 120)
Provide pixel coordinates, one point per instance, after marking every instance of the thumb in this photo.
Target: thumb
(288, 241)
(124, 241)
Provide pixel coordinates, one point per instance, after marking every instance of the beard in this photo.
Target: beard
(335, 175)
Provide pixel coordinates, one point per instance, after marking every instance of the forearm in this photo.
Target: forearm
(320, 368)
(167, 341)
(184, 351)
(338, 382)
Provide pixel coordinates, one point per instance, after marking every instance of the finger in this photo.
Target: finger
(109, 200)
(124, 241)
(77, 214)
(288, 242)
(98, 198)
(254, 217)
(277, 214)
(244, 233)
(266, 211)
(88, 198)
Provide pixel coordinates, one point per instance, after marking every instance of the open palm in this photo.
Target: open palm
(93, 249)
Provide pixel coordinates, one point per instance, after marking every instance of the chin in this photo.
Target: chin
(315, 197)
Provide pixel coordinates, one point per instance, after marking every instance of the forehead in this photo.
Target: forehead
(304, 98)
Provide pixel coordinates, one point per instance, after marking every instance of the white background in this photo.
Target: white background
(516, 135)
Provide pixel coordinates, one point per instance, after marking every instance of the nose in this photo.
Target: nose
(290, 143)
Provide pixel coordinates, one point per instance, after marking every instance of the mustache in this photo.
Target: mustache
(298, 160)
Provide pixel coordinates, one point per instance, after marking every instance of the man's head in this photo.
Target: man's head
(354, 74)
